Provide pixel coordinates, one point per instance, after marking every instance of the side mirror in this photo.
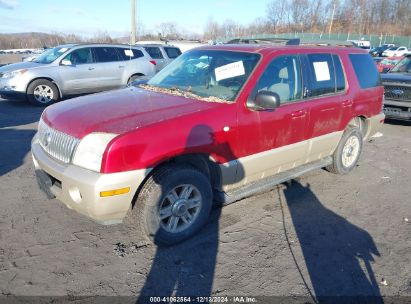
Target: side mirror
(264, 100)
(66, 62)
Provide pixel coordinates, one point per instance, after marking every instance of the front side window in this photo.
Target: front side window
(172, 52)
(283, 77)
(154, 52)
(52, 54)
(106, 54)
(206, 74)
(80, 56)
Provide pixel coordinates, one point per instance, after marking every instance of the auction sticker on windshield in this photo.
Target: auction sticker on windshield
(229, 70)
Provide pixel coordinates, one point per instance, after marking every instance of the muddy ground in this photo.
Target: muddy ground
(323, 235)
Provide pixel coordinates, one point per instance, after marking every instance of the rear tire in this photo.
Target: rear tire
(173, 204)
(42, 93)
(348, 152)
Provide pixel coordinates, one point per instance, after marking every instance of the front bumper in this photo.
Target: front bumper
(79, 188)
(397, 109)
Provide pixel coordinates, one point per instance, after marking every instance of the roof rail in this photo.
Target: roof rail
(290, 41)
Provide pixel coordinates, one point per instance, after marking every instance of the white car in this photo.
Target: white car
(395, 51)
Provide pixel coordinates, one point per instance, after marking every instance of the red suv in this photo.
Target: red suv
(216, 125)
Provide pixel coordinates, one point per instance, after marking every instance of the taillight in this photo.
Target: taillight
(153, 62)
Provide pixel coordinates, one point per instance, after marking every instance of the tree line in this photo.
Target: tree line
(362, 17)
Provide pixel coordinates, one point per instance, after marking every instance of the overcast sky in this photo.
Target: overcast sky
(87, 17)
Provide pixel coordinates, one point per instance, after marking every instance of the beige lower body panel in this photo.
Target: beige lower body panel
(374, 125)
(80, 188)
(251, 168)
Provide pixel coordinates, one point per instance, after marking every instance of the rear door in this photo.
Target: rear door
(111, 67)
(82, 76)
(326, 97)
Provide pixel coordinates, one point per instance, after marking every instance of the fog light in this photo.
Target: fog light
(75, 194)
(114, 192)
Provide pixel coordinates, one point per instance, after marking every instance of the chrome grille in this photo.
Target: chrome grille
(397, 92)
(55, 143)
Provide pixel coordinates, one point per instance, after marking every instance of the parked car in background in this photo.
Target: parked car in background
(219, 123)
(388, 63)
(395, 51)
(162, 54)
(397, 90)
(74, 69)
(377, 51)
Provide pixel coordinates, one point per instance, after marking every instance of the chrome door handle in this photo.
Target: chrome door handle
(121, 66)
(299, 113)
(347, 103)
(90, 68)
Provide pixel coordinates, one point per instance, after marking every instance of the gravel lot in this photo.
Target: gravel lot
(324, 234)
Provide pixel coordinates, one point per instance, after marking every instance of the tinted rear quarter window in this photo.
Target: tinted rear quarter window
(365, 70)
(154, 52)
(106, 54)
(129, 54)
(172, 52)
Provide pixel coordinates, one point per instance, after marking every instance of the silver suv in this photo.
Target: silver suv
(162, 54)
(74, 69)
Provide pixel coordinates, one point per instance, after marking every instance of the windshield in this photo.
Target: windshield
(52, 54)
(209, 74)
(403, 66)
(393, 48)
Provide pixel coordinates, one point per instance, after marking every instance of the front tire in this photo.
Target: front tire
(42, 92)
(348, 152)
(173, 204)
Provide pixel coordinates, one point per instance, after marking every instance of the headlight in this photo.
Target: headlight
(14, 73)
(89, 152)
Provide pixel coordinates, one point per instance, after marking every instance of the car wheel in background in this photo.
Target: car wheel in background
(42, 92)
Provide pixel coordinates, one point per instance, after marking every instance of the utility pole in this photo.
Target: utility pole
(133, 22)
(332, 21)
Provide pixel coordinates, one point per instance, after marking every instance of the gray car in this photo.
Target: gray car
(162, 54)
(74, 69)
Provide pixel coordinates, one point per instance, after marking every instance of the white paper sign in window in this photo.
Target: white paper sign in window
(322, 72)
(129, 53)
(229, 70)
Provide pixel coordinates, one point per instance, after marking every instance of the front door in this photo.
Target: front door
(274, 141)
(82, 75)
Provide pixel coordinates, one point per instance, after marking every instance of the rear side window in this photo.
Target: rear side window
(339, 74)
(172, 52)
(322, 74)
(106, 54)
(154, 52)
(366, 70)
(129, 54)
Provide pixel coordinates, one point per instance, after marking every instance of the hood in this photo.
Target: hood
(19, 66)
(396, 77)
(119, 111)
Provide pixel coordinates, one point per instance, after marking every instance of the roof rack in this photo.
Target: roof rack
(290, 41)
